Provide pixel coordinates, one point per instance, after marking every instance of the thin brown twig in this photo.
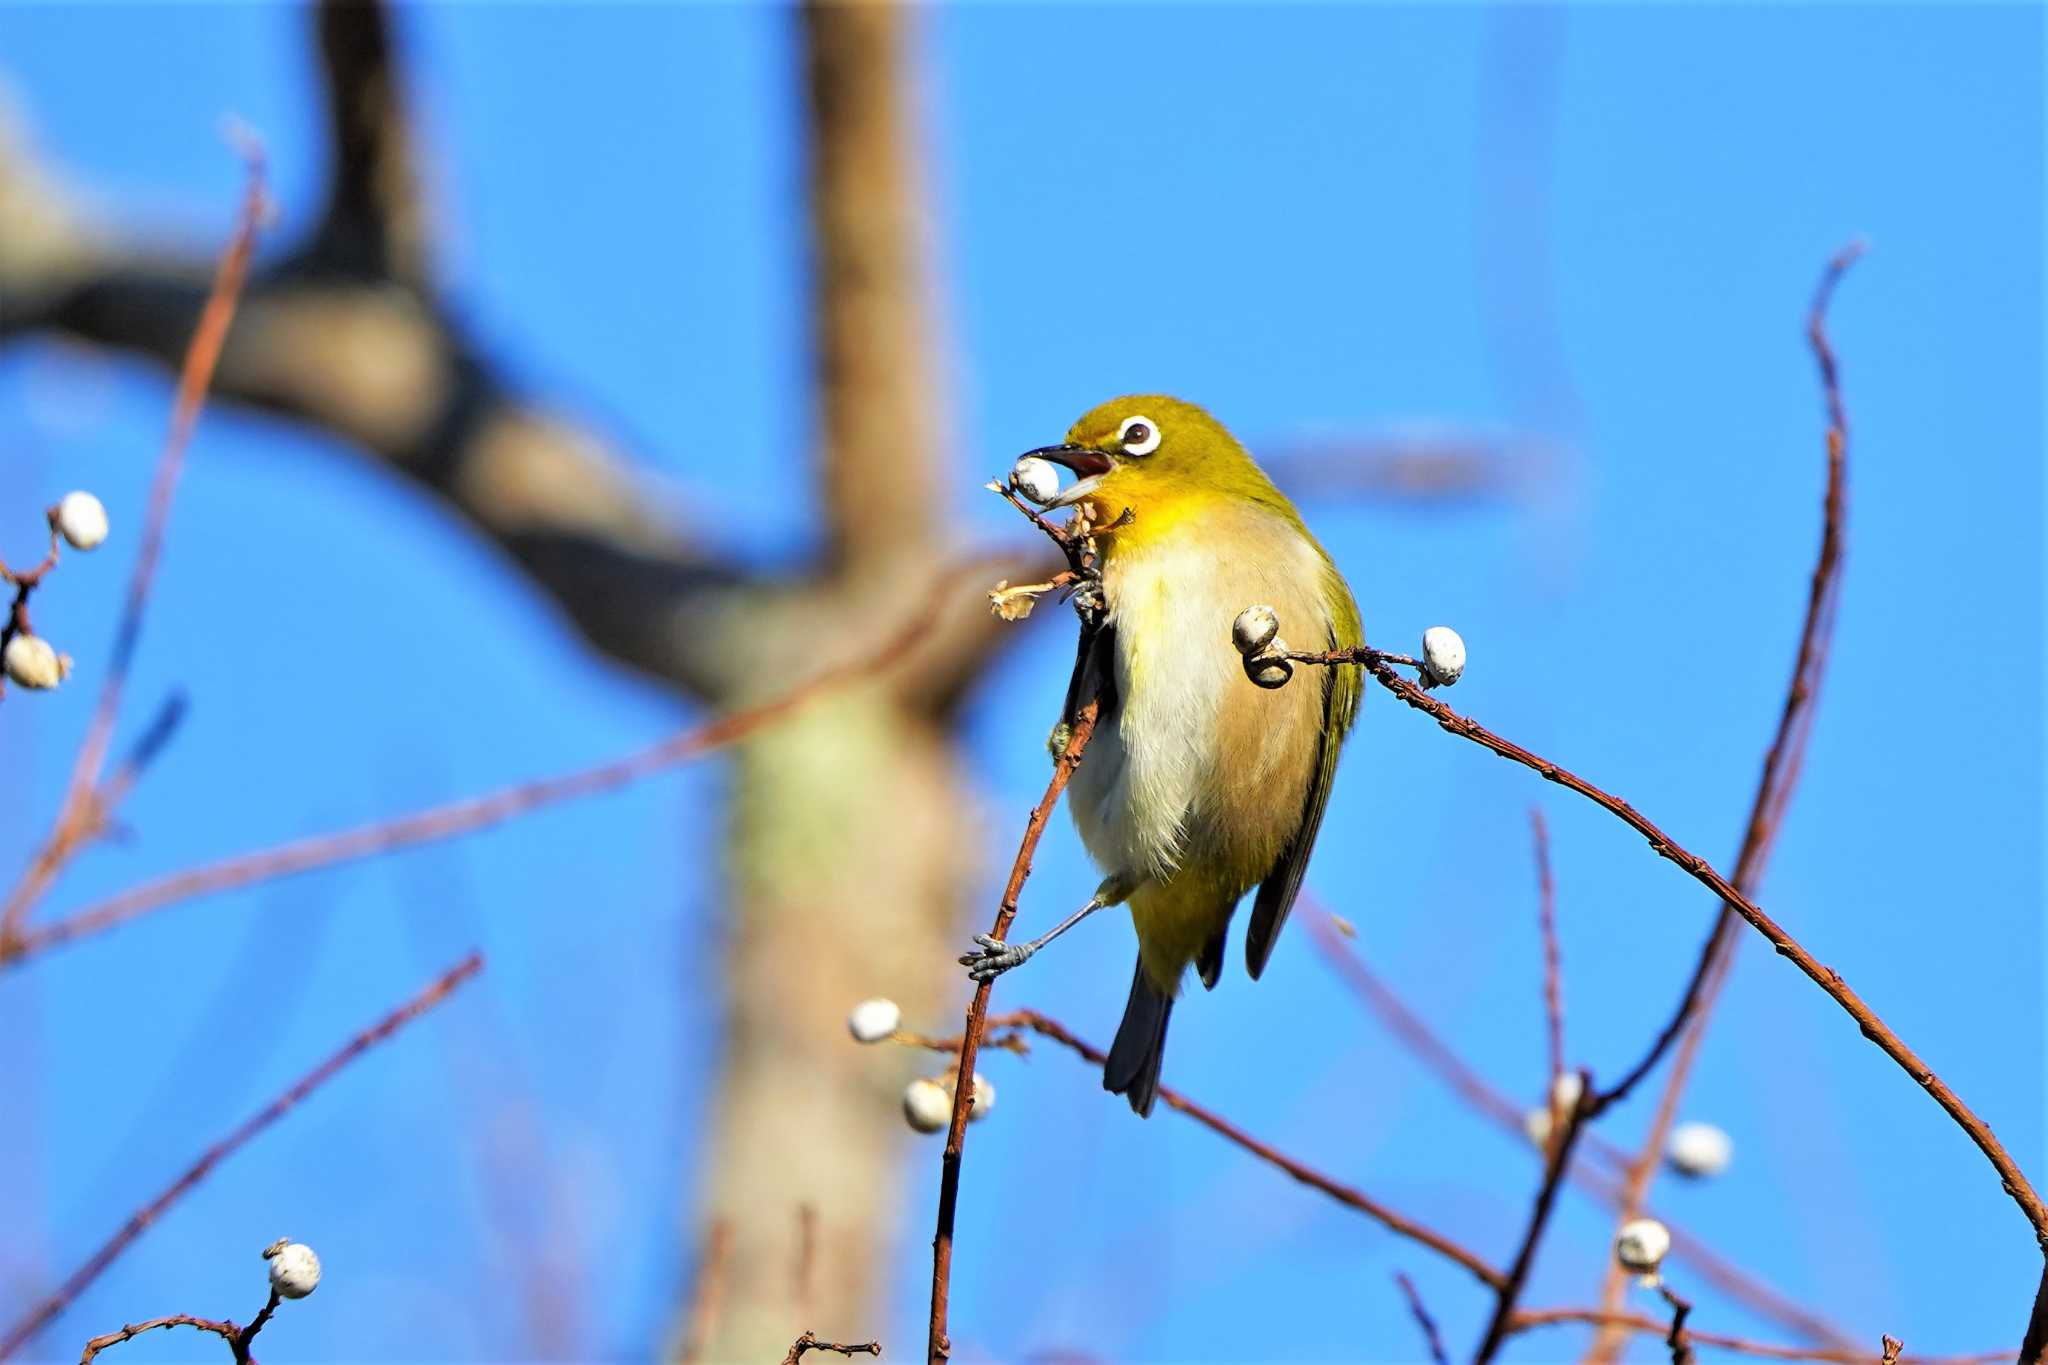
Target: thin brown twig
(82, 815)
(1557, 1160)
(1677, 1338)
(471, 814)
(708, 1299)
(226, 1330)
(1409, 1027)
(937, 1345)
(809, 1342)
(1530, 1318)
(140, 1221)
(1783, 761)
(1423, 1321)
(1546, 917)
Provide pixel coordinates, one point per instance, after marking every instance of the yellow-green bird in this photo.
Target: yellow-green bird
(1198, 784)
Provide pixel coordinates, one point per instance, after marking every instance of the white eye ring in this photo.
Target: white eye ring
(1143, 445)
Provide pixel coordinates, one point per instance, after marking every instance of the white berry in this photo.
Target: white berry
(1699, 1149)
(1254, 629)
(874, 1020)
(984, 1098)
(1536, 1123)
(1641, 1245)
(31, 662)
(1035, 479)
(1565, 1091)
(294, 1270)
(1443, 655)
(81, 520)
(926, 1106)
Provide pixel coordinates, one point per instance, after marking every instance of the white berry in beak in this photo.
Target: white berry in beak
(1035, 480)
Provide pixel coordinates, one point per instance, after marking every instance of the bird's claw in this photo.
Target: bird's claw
(1088, 598)
(994, 958)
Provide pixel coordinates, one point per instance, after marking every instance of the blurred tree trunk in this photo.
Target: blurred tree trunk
(851, 840)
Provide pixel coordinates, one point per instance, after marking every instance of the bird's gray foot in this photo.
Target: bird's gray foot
(995, 957)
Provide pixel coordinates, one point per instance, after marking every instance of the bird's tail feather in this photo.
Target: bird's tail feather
(1133, 1066)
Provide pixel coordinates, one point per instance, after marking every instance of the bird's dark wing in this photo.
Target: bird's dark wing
(1094, 671)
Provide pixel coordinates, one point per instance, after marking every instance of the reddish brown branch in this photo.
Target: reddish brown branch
(474, 813)
(1082, 722)
(82, 814)
(1423, 1321)
(1546, 915)
(139, 1222)
(1783, 761)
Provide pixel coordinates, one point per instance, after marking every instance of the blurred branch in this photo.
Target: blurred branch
(1426, 467)
(1638, 1324)
(1423, 1321)
(1782, 763)
(346, 336)
(1557, 1159)
(1408, 1026)
(471, 814)
(140, 1221)
(374, 226)
(708, 1298)
(83, 814)
(1546, 918)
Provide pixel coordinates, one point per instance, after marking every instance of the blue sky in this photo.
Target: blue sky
(1593, 228)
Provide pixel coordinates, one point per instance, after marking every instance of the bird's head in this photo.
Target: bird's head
(1153, 456)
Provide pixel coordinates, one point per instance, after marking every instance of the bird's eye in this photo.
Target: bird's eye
(1138, 436)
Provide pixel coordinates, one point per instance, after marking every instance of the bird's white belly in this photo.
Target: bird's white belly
(1148, 782)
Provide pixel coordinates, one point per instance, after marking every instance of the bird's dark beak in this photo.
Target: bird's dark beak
(1085, 461)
